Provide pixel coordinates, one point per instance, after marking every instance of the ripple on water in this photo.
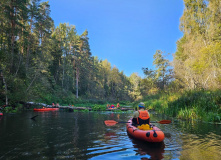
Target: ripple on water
(202, 146)
(84, 136)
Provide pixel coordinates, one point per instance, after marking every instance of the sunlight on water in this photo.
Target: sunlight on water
(198, 147)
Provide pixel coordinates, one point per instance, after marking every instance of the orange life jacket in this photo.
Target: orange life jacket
(143, 115)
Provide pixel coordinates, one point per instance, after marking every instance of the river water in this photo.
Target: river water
(61, 135)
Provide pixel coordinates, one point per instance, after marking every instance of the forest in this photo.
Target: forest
(41, 62)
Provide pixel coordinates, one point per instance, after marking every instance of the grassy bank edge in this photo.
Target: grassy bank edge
(198, 105)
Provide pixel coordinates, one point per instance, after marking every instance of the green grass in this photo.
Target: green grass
(99, 108)
(202, 105)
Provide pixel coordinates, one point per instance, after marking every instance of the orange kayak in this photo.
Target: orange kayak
(45, 109)
(153, 135)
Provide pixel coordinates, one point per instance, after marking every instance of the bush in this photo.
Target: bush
(10, 110)
(99, 108)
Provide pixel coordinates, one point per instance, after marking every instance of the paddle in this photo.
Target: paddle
(112, 122)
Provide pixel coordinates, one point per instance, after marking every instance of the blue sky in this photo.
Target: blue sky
(125, 32)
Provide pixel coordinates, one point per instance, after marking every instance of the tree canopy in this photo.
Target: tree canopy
(48, 63)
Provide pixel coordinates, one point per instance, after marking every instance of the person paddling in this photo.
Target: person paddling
(141, 116)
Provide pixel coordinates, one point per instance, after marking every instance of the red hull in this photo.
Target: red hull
(45, 109)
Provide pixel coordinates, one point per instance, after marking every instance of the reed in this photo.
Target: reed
(201, 105)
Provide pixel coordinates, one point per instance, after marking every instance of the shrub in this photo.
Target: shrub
(99, 108)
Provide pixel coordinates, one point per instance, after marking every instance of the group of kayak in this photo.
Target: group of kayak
(138, 127)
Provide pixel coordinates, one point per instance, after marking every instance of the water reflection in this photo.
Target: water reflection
(110, 135)
(153, 151)
(77, 135)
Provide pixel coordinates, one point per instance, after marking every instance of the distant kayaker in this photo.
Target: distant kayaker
(141, 116)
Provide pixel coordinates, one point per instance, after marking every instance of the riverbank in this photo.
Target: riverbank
(77, 107)
(198, 105)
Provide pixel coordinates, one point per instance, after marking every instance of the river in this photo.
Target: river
(61, 135)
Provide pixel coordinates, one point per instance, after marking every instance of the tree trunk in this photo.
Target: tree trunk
(20, 60)
(6, 89)
(77, 79)
(63, 73)
(28, 47)
(32, 81)
(13, 16)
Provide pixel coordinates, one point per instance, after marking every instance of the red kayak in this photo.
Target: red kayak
(1, 114)
(151, 135)
(45, 109)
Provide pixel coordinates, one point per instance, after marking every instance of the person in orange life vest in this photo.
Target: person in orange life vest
(141, 116)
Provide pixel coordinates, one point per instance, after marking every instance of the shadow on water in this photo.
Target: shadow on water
(153, 151)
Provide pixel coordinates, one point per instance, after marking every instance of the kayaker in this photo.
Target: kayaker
(141, 116)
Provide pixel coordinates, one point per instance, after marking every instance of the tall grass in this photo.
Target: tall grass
(201, 105)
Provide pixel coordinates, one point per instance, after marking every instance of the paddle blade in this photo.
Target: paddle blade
(164, 122)
(110, 122)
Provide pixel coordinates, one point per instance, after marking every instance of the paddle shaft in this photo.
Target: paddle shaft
(112, 122)
(129, 122)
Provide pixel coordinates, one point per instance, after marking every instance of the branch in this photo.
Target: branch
(32, 81)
